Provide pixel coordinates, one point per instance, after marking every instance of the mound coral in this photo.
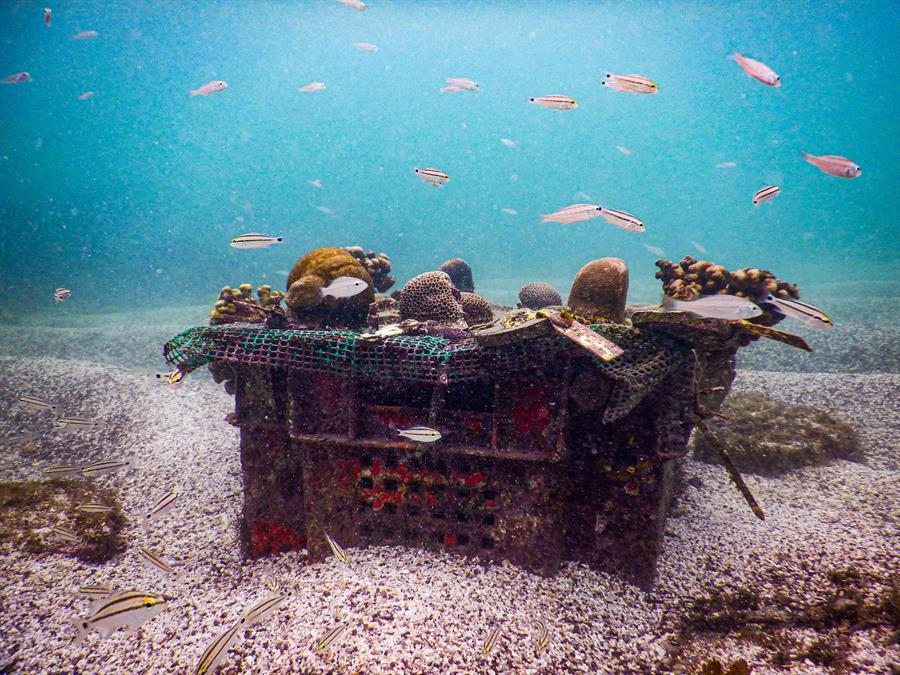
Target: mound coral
(599, 290)
(477, 309)
(691, 278)
(432, 297)
(767, 436)
(313, 272)
(460, 274)
(537, 295)
(238, 305)
(378, 265)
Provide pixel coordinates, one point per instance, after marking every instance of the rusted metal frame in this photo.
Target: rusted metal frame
(562, 412)
(467, 451)
(353, 405)
(496, 416)
(437, 402)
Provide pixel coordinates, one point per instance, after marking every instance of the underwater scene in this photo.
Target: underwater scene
(376, 337)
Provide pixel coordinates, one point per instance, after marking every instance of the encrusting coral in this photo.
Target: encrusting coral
(238, 305)
(691, 278)
(432, 297)
(599, 290)
(312, 273)
(460, 274)
(538, 294)
(767, 436)
(378, 265)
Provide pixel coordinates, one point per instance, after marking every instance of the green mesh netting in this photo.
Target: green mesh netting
(646, 361)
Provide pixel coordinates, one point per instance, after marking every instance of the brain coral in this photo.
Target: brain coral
(432, 297)
(599, 290)
(477, 309)
(767, 436)
(460, 274)
(314, 271)
(538, 295)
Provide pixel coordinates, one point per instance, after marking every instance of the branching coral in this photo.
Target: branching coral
(378, 265)
(238, 305)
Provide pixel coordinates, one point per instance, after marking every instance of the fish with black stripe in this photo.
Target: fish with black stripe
(124, 609)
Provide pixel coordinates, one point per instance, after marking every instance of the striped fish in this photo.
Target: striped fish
(61, 471)
(491, 640)
(622, 219)
(65, 534)
(172, 377)
(331, 636)
(767, 194)
(543, 638)
(98, 591)
(254, 240)
(127, 608)
(61, 294)
(94, 507)
(68, 423)
(802, 312)
(337, 550)
(633, 84)
(165, 504)
(36, 403)
(23, 438)
(103, 468)
(262, 610)
(575, 213)
(216, 651)
(433, 177)
(556, 102)
(154, 560)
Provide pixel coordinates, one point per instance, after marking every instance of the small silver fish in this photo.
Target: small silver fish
(834, 165)
(345, 287)
(509, 212)
(330, 636)
(65, 534)
(254, 240)
(217, 650)
(634, 84)
(36, 403)
(766, 194)
(354, 4)
(126, 608)
(699, 246)
(165, 504)
(48, 16)
(721, 306)
(433, 177)
(103, 468)
(16, 78)
(758, 70)
(622, 149)
(621, 219)
(421, 434)
(726, 165)
(366, 46)
(213, 87)
(84, 96)
(85, 35)
(508, 142)
(389, 330)
(94, 507)
(655, 250)
(802, 312)
(463, 83)
(311, 88)
(491, 640)
(262, 610)
(61, 294)
(336, 549)
(156, 561)
(69, 423)
(556, 102)
(62, 471)
(575, 213)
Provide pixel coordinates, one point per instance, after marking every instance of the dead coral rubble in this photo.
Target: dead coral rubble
(768, 436)
(237, 305)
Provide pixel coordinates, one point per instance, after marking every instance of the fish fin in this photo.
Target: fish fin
(81, 626)
(194, 92)
(667, 304)
(805, 155)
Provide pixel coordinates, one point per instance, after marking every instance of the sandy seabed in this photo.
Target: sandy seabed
(412, 611)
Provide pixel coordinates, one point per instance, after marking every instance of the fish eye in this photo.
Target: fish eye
(148, 602)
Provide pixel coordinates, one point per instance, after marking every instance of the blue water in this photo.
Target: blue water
(130, 198)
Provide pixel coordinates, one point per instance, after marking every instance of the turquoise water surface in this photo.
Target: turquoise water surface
(130, 198)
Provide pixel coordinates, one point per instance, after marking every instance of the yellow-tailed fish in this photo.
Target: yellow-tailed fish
(69, 423)
(556, 102)
(36, 403)
(103, 468)
(65, 534)
(330, 636)
(94, 507)
(766, 194)
(621, 219)
(97, 591)
(154, 560)
(491, 640)
(337, 550)
(127, 608)
(633, 84)
(61, 471)
(721, 306)
(575, 213)
(433, 177)
(262, 610)
(217, 649)
(421, 434)
(543, 638)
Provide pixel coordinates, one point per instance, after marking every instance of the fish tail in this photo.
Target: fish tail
(195, 92)
(667, 304)
(81, 635)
